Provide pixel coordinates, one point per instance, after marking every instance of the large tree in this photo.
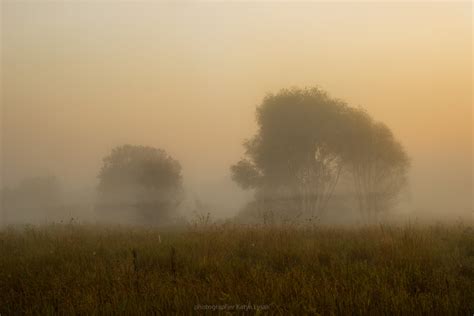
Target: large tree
(141, 178)
(296, 157)
(304, 141)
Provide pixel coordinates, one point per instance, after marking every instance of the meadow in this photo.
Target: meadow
(227, 268)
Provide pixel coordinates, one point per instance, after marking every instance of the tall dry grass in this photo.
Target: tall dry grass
(79, 269)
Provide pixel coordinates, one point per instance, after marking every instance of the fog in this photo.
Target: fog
(80, 78)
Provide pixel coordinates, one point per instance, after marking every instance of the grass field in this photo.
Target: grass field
(80, 269)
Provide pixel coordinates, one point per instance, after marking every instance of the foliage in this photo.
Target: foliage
(378, 163)
(143, 178)
(305, 140)
(296, 154)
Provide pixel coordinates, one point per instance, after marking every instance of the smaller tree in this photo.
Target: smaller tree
(144, 179)
(246, 175)
(378, 164)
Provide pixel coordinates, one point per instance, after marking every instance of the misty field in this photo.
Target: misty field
(80, 269)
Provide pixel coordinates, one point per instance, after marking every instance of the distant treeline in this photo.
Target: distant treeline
(305, 143)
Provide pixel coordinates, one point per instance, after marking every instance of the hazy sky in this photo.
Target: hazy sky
(79, 78)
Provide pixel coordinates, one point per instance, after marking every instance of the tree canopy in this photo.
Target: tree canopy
(378, 163)
(145, 179)
(305, 139)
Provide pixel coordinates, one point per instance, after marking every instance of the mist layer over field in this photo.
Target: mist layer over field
(79, 79)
